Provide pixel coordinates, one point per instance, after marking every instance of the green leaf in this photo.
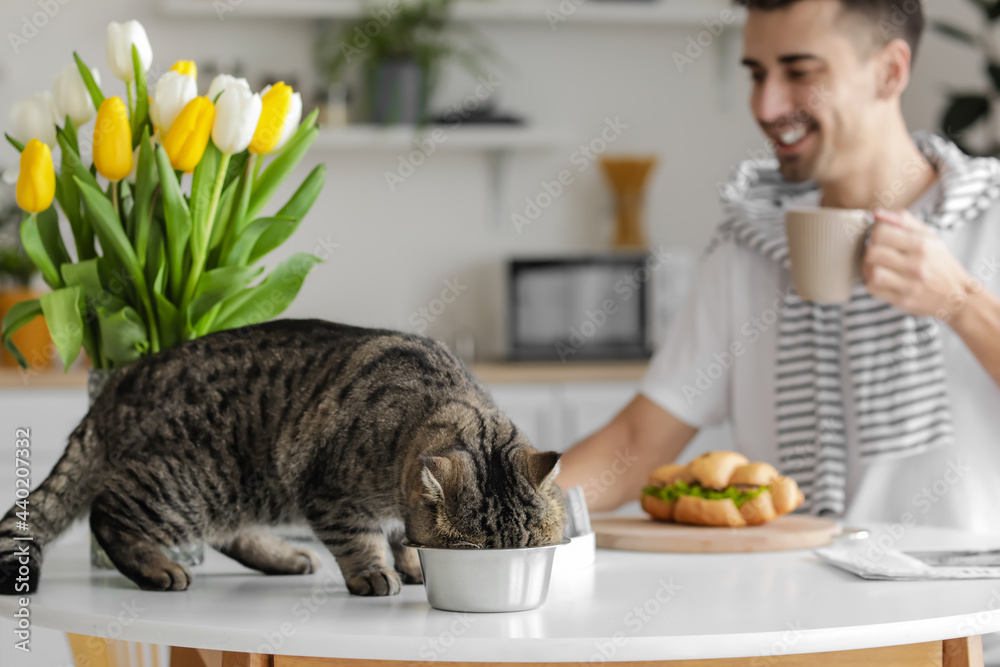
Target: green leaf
(109, 230)
(123, 335)
(146, 179)
(303, 199)
(156, 255)
(268, 299)
(954, 32)
(90, 274)
(963, 111)
(170, 322)
(69, 197)
(83, 229)
(95, 93)
(141, 112)
(218, 285)
(15, 143)
(222, 215)
(279, 169)
(52, 241)
(202, 182)
(245, 244)
(115, 243)
(31, 239)
(17, 316)
(178, 222)
(63, 309)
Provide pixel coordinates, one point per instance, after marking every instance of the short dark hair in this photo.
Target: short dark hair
(890, 19)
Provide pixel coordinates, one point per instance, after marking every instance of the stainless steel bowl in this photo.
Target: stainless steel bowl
(486, 580)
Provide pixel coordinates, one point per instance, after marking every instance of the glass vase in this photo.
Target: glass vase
(186, 554)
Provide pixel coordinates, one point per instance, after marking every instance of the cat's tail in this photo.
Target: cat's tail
(46, 512)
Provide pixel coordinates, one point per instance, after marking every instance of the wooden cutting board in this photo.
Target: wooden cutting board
(640, 533)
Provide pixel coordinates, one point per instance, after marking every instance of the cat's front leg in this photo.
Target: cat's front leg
(406, 560)
(357, 542)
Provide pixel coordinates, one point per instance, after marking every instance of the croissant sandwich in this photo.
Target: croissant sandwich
(720, 489)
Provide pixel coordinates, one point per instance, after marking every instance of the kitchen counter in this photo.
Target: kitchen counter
(489, 372)
(628, 607)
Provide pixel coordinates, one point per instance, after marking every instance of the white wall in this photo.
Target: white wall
(396, 249)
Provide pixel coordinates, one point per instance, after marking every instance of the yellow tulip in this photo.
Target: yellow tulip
(187, 138)
(113, 140)
(36, 183)
(277, 103)
(186, 67)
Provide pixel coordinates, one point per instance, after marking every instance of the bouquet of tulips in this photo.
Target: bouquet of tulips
(161, 257)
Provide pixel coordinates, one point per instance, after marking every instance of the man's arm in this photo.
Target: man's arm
(613, 464)
(909, 267)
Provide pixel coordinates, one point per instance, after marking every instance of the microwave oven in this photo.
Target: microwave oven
(579, 308)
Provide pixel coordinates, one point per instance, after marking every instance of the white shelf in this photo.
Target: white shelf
(443, 137)
(624, 12)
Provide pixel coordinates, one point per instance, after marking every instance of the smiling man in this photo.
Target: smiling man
(887, 408)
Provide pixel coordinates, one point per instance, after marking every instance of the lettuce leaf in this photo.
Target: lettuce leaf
(672, 492)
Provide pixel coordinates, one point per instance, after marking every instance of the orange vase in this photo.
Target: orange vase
(33, 339)
(627, 176)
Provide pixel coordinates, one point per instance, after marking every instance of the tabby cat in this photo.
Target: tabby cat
(364, 434)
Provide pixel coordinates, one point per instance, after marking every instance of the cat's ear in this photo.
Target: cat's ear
(436, 470)
(542, 468)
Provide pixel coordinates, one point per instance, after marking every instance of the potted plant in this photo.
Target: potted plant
(968, 110)
(16, 274)
(401, 49)
(168, 221)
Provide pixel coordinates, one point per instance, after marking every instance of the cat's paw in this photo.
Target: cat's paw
(375, 582)
(308, 562)
(169, 577)
(409, 573)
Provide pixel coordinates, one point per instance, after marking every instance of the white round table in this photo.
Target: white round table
(628, 607)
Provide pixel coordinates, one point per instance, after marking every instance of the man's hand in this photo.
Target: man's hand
(908, 266)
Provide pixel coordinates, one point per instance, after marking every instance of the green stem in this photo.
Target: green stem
(200, 238)
(256, 168)
(234, 222)
(128, 94)
(114, 200)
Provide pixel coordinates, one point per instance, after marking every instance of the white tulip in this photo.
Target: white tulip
(121, 37)
(34, 117)
(292, 120)
(71, 95)
(236, 115)
(172, 93)
(223, 81)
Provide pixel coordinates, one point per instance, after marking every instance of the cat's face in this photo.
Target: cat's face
(488, 498)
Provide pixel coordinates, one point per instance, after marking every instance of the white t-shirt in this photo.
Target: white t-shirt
(717, 363)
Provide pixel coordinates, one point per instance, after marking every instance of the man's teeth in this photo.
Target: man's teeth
(790, 137)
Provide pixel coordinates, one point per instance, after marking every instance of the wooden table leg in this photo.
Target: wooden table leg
(233, 659)
(962, 652)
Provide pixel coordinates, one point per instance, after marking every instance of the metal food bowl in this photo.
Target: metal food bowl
(486, 580)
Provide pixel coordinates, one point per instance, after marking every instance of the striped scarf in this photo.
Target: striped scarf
(895, 363)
